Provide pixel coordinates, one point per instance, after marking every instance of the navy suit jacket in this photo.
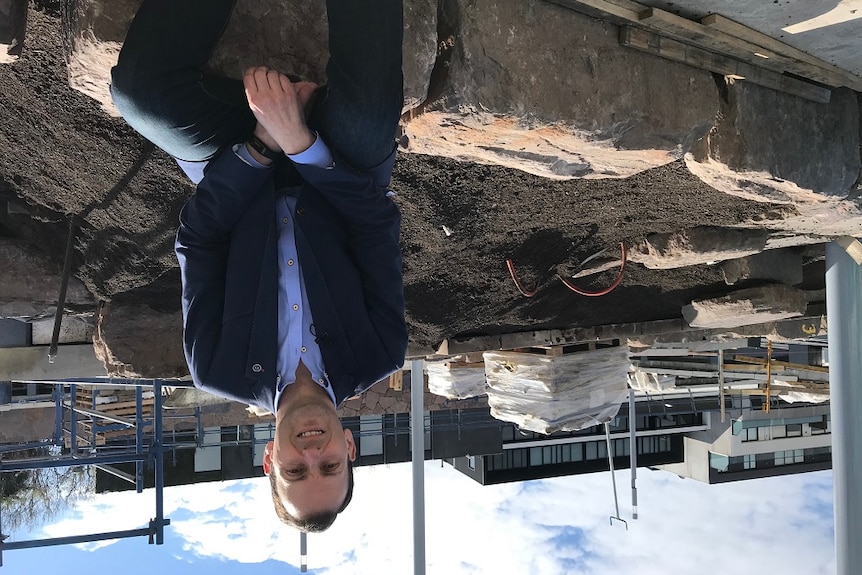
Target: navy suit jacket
(347, 237)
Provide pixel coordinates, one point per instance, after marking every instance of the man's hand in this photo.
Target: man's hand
(279, 106)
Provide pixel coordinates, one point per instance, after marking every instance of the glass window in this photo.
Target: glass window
(471, 462)
(778, 431)
(592, 450)
(794, 430)
(535, 456)
(763, 434)
(749, 434)
(748, 461)
(577, 451)
(718, 462)
(519, 458)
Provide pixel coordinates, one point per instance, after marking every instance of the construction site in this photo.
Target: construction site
(630, 240)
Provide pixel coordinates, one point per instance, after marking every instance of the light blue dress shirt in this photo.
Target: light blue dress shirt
(296, 339)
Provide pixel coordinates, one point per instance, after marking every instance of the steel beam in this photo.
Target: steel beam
(76, 539)
(24, 464)
(844, 310)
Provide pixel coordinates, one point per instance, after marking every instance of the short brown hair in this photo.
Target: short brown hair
(316, 522)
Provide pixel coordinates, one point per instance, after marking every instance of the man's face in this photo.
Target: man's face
(309, 458)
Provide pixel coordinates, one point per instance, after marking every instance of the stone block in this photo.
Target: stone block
(746, 307)
(135, 340)
(73, 329)
(697, 246)
(780, 266)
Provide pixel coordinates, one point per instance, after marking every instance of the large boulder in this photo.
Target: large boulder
(289, 36)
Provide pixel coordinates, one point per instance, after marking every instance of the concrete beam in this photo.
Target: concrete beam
(31, 363)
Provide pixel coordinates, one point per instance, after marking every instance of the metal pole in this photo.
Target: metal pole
(844, 310)
(59, 414)
(139, 438)
(613, 477)
(633, 452)
(303, 551)
(64, 285)
(160, 463)
(417, 446)
(73, 415)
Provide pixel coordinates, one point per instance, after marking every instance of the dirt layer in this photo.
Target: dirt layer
(63, 158)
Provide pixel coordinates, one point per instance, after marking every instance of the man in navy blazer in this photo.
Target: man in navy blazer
(289, 248)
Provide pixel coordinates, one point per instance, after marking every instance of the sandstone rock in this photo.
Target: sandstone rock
(134, 340)
(697, 246)
(746, 307)
(781, 266)
(286, 35)
(31, 283)
(542, 88)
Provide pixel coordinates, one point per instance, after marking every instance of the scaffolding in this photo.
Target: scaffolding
(142, 431)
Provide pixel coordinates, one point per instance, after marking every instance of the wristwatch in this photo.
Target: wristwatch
(262, 148)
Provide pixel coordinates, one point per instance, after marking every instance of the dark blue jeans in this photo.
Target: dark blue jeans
(161, 89)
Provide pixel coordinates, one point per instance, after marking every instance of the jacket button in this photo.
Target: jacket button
(300, 211)
(256, 368)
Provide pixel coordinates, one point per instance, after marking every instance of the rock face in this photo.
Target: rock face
(814, 145)
(746, 307)
(31, 283)
(134, 340)
(548, 90)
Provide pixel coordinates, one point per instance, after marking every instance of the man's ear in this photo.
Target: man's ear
(351, 445)
(267, 458)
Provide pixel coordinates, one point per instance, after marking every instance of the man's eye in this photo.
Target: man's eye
(294, 471)
(330, 466)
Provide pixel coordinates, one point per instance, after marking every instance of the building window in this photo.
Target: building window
(788, 457)
(471, 462)
(749, 461)
(794, 430)
(749, 434)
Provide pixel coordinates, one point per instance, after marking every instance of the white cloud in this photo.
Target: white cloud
(773, 524)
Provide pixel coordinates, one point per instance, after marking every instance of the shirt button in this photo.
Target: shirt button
(256, 368)
(299, 211)
(320, 380)
(290, 262)
(303, 349)
(295, 307)
(285, 220)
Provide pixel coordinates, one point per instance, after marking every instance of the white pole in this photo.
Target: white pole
(633, 451)
(844, 310)
(417, 446)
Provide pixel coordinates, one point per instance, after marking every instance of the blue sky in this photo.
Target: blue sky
(549, 527)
